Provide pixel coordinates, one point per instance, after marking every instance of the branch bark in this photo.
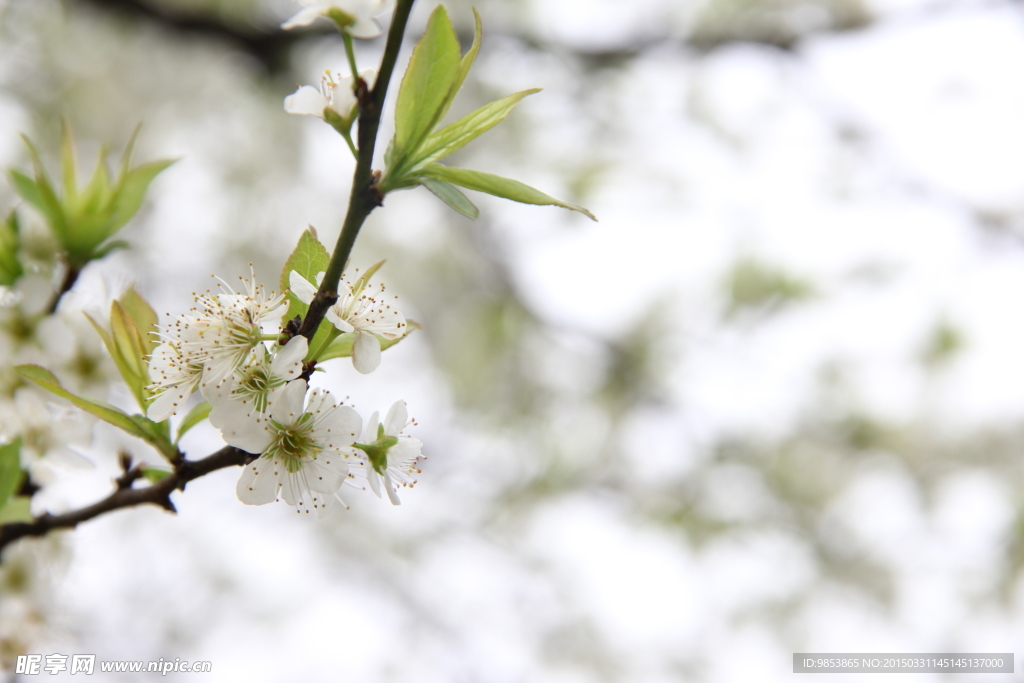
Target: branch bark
(158, 493)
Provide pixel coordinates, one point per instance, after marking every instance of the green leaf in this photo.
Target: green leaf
(106, 249)
(43, 199)
(457, 135)
(308, 259)
(126, 343)
(464, 66)
(157, 434)
(16, 510)
(97, 193)
(11, 474)
(194, 417)
(129, 150)
(144, 317)
(45, 196)
(154, 474)
(131, 191)
(124, 368)
(498, 186)
(108, 413)
(452, 196)
(67, 163)
(10, 241)
(360, 284)
(342, 346)
(130, 342)
(432, 70)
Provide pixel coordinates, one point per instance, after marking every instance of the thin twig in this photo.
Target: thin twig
(71, 274)
(365, 197)
(158, 493)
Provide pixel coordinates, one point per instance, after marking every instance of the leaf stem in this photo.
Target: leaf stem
(365, 195)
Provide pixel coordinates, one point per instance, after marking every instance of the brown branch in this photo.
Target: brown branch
(71, 274)
(158, 493)
(365, 196)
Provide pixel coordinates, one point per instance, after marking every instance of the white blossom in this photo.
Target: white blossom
(248, 389)
(364, 314)
(303, 449)
(209, 343)
(387, 454)
(360, 14)
(335, 94)
(47, 432)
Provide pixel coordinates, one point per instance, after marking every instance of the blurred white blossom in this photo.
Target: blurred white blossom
(359, 15)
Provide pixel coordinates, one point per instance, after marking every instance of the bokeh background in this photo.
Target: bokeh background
(770, 403)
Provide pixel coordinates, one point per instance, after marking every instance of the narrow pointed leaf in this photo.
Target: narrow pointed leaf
(129, 340)
(108, 413)
(194, 417)
(129, 150)
(96, 196)
(11, 474)
(67, 164)
(42, 197)
(342, 346)
(432, 69)
(132, 190)
(48, 201)
(143, 315)
(464, 66)
(154, 474)
(17, 509)
(457, 135)
(499, 187)
(364, 279)
(124, 368)
(452, 196)
(107, 249)
(10, 241)
(157, 434)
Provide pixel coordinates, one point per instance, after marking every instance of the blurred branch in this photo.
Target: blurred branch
(269, 46)
(158, 493)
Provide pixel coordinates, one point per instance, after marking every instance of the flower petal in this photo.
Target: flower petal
(258, 484)
(251, 433)
(285, 404)
(338, 428)
(391, 489)
(304, 17)
(290, 488)
(327, 473)
(396, 420)
(231, 412)
(166, 404)
(302, 288)
(365, 352)
(373, 479)
(287, 364)
(306, 100)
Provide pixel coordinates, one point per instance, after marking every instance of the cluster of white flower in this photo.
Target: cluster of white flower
(228, 348)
